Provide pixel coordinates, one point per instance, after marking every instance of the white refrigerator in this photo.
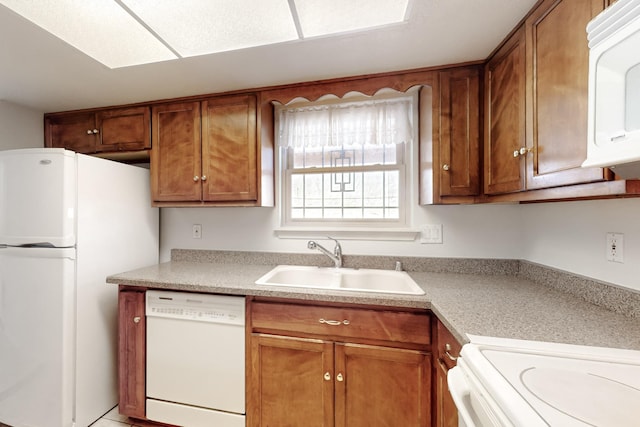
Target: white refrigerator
(67, 221)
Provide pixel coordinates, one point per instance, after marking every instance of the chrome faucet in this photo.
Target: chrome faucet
(336, 256)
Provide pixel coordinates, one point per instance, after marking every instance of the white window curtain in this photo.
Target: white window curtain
(370, 122)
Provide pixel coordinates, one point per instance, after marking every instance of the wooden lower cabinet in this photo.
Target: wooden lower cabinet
(132, 335)
(308, 382)
(382, 386)
(447, 351)
(333, 377)
(342, 374)
(289, 385)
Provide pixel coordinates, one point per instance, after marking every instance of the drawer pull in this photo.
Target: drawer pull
(334, 322)
(447, 349)
(327, 376)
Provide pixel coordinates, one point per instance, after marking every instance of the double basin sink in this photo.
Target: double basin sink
(346, 279)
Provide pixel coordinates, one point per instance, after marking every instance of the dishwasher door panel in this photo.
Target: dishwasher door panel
(196, 363)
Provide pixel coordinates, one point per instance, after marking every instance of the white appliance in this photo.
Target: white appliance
(67, 221)
(195, 359)
(614, 89)
(505, 382)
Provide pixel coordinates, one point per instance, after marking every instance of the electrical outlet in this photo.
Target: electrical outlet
(615, 247)
(431, 233)
(196, 231)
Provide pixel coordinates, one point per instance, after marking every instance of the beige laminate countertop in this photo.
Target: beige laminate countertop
(481, 304)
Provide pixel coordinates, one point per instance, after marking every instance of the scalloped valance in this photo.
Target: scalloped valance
(347, 122)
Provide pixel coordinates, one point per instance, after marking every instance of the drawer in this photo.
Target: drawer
(448, 348)
(394, 326)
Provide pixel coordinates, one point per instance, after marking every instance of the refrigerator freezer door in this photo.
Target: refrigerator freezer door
(37, 314)
(38, 197)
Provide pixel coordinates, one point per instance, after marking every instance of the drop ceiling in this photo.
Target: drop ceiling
(40, 71)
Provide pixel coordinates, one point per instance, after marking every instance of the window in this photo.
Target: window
(345, 162)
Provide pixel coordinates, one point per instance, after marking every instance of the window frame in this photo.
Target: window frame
(377, 229)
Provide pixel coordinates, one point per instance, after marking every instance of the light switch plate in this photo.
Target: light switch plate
(431, 233)
(615, 247)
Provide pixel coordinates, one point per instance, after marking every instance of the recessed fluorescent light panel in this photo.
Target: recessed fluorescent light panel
(101, 29)
(200, 27)
(324, 17)
(121, 33)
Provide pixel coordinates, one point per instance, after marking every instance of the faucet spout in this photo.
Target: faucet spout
(336, 256)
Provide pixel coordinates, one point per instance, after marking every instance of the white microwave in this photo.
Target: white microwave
(614, 90)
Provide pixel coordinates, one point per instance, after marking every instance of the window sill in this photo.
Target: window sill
(398, 234)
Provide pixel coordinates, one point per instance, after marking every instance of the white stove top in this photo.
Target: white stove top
(527, 383)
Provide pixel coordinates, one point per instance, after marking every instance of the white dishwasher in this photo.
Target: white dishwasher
(195, 359)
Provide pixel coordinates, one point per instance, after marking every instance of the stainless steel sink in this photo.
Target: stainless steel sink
(347, 279)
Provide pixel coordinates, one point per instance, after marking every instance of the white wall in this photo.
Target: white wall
(565, 235)
(20, 127)
(571, 236)
(487, 231)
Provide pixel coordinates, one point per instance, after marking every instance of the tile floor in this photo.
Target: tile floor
(114, 419)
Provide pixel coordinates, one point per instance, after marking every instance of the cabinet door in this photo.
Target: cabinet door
(131, 353)
(379, 386)
(459, 167)
(176, 155)
(447, 352)
(229, 160)
(127, 129)
(557, 79)
(505, 117)
(292, 382)
(75, 132)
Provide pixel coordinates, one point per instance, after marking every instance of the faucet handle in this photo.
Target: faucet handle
(338, 249)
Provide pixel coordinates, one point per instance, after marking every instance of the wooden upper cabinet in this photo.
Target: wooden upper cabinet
(205, 152)
(176, 155)
(459, 166)
(229, 159)
(73, 131)
(127, 129)
(557, 63)
(505, 117)
(100, 131)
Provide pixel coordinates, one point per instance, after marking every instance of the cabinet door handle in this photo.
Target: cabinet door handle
(196, 178)
(204, 177)
(136, 319)
(522, 151)
(334, 322)
(95, 131)
(327, 376)
(89, 132)
(447, 349)
(446, 167)
(339, 377)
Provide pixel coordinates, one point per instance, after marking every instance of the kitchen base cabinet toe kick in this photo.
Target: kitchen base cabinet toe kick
(310, 363)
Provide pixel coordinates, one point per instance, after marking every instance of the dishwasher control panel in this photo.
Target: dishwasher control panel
(196, 307)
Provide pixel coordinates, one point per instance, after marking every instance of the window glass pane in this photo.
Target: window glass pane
(359, 195)
(371, 213)
(345, 156)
